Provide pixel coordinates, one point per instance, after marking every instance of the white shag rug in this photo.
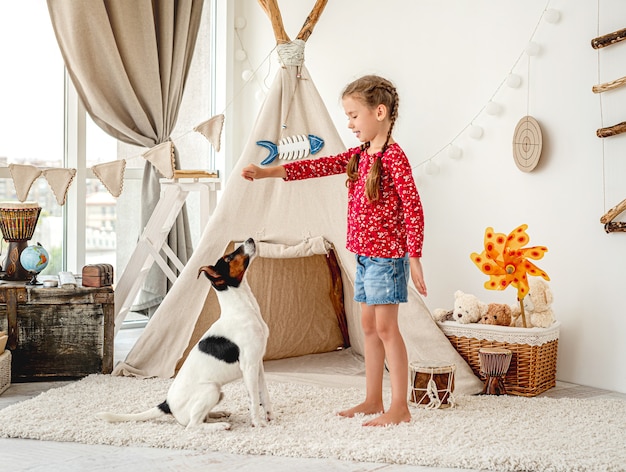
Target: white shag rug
(503, 433)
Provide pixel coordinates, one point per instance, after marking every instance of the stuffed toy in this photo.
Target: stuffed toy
(467, 309)
(537, 306)
(497, 314)
(441, 314)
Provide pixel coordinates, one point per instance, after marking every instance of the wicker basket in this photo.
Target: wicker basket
(5, 370)
(533, 364)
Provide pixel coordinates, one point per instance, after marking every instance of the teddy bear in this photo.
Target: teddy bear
(537, 306)
(467, 309)
(441, 314)
(497, 314)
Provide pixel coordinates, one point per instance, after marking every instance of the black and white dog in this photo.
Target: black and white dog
(233, 347)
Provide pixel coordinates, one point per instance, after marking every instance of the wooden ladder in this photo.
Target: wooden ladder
(153, 240)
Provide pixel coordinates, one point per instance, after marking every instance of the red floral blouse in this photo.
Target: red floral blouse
(390, 227)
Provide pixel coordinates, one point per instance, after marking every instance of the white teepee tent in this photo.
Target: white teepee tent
(289, 214)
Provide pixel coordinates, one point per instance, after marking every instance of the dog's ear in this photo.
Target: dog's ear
(217, 280)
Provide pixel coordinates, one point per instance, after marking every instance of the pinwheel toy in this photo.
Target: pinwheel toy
(506, 262)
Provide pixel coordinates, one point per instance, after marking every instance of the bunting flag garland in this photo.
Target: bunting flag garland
(59, 181)
(23, 178)
(161, 157)
(111, 174)
(211, 129)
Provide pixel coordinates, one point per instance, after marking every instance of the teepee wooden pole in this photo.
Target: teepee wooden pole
(311, 20)
(270, 7)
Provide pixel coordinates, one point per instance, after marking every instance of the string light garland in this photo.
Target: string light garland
(453, 150)
(492, 107)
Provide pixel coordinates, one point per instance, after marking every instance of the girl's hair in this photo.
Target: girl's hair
(372, 90)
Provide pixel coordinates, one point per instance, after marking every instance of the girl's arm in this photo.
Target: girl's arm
(301, 169)
(251, 172)
(417, 275)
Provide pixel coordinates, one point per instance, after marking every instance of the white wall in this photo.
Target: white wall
(448, 58)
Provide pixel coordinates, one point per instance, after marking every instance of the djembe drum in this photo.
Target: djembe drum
(17, 222)
(494, 364)
(432, 384)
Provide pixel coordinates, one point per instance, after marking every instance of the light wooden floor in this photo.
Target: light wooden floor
(34, 456)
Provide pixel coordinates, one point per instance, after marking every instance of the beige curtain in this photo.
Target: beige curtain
(129, 60)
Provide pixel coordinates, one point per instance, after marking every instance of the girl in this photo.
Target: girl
(385, 231)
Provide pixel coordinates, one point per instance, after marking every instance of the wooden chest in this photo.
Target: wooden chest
(97, 275)
(57, 332)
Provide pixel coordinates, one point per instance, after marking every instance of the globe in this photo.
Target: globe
(34, 259)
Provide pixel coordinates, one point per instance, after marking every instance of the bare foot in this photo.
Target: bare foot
(390, 418)
(362, 408)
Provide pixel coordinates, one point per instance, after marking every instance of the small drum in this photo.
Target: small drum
(432, 384)
(17, 223)
(18, 220)
(494, 364)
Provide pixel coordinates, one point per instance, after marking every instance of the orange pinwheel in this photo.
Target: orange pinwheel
(505, 260)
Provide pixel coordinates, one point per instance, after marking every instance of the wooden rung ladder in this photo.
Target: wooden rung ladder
(153, 240)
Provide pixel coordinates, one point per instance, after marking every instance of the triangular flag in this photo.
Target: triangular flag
(23, 178)
(111, 174)
(59, 181)
(161, 156)
(212, 129)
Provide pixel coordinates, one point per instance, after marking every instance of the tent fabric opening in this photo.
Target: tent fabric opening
(297, 302)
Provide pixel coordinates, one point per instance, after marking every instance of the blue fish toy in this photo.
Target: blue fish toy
(292, 147)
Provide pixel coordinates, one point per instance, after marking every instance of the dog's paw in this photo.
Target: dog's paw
(258, 422)
(218, 426)
(219, 414)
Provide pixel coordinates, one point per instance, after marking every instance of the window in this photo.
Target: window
(31, 115)
(43, 124)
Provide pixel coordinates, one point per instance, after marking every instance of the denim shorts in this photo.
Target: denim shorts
(381, 281)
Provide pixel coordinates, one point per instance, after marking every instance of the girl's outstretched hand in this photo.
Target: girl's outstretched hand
(252, 172)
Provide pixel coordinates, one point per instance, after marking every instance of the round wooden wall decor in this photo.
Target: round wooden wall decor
(527, 144)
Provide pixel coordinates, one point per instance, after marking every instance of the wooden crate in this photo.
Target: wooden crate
(57, 332)
(533, 363)
(5, 371)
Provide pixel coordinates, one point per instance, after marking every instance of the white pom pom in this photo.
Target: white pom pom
(432, 168)
(514, 80)
(475, 132)
(552, 16)
(247, 75)
(533, 49)
(492, 108)
(240, 22)
(455, 152)
(240, 55)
